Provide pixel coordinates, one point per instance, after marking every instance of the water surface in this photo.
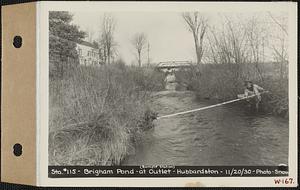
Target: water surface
(225, 135)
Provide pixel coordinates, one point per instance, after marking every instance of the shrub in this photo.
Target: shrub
(224, 81)
(277, 100)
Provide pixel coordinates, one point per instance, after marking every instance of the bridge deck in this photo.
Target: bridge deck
(173, 64)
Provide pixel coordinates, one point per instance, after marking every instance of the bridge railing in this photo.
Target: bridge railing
(174, 64)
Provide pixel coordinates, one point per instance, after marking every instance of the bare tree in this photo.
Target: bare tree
(139, 41)
(228, 45)
(257, 39)
(197, 24)
(107, 36)
(280, 44)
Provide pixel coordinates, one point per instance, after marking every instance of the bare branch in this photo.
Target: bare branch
(197, 25)
(107, 36)
(139, 42)
(279, 24)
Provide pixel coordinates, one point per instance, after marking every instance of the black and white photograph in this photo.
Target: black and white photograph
(190, 88)
(143, 94)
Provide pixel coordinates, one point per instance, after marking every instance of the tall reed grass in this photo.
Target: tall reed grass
(98, 114)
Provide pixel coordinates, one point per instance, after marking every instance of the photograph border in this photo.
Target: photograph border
(43, 83)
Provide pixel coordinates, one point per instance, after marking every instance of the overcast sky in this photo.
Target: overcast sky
(167, 32)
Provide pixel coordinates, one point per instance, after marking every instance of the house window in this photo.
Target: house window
(80, 52)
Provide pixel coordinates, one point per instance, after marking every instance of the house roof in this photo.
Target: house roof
(85, 43)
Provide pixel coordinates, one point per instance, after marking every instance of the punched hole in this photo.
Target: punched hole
(17, 41)
(18, 149)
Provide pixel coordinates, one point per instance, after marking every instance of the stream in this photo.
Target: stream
(224, 135)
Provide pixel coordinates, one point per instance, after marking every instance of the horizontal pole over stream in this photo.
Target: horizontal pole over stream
(208, 107)
(189, 111)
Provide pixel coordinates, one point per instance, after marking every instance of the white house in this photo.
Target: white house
(88, 53)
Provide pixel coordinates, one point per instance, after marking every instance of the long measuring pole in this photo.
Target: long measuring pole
(208, 107)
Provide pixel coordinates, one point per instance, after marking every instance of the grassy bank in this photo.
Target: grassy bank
(223, 82)
(98, 114)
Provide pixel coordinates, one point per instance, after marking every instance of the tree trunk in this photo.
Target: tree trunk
(105, 55)
(140, 64)
(108, 56)
(198, 53)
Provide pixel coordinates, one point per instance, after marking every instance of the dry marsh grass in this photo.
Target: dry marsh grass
(98, 114)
